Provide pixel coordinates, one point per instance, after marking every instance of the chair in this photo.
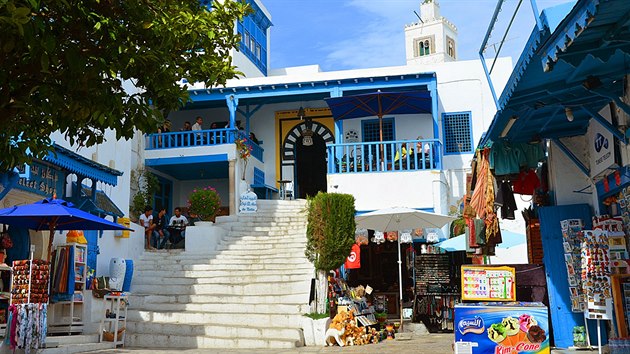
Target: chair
(288, 191)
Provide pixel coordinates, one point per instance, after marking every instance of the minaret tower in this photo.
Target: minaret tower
(433, 39)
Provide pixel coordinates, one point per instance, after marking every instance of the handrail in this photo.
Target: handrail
(191, 138)
(422, 154)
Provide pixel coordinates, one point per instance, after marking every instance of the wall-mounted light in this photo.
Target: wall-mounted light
(569, 113)
(508, 126)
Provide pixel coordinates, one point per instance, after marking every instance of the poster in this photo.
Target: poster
(488, 283)
(572, 237)
(503, 328)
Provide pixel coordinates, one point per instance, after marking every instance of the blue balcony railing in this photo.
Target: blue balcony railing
(388, 156)
(190, 138)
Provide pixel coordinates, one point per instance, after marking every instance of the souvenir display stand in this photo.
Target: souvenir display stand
(69, 282)
(5, 297)
(114, 321)
(28, 309)
(436, 290)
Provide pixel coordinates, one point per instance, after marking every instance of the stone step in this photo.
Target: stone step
(246, 246)
(222, 307)
(260, 252)
(227, 319)
(222, 266)
(154, 275)
(272, 234)
(143, 279)
(271, 229)
(184, 342)
(226, 289)
(224, 260)
(213, 330)
(76, 348)
(73, 339)
(289, 299)
(267, 239)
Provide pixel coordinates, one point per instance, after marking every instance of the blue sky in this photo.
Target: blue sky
(350, 34)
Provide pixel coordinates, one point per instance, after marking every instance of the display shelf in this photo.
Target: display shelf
(62, 311)
(114, 328)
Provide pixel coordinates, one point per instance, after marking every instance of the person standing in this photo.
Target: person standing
(161, 233)
(146, 221)
(197, 126)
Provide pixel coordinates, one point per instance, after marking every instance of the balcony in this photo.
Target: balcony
(199, 138)
(371, 157)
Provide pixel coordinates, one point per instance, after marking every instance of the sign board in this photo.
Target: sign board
(481, 283)
(601, 148)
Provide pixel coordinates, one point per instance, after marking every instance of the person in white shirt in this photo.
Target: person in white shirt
(197, 126)
(177, 226)
(146, 221)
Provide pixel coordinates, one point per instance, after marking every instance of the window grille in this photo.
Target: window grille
(370, 133)
(457, 133)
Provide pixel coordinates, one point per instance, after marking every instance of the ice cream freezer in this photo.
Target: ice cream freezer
(501, 328)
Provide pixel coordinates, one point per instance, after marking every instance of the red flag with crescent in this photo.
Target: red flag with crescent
(354, 259)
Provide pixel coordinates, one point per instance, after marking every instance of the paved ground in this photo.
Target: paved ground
(427, 343)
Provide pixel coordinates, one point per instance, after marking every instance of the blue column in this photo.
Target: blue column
(232, 103)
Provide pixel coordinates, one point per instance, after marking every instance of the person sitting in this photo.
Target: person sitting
(164, 128)
(401, 156)
(424, 150)
(253, 138)
(177, 225)
(197, 126)
(184, 139)
(161, 234)
(146, 221)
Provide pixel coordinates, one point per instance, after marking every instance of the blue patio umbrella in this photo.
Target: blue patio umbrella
(379, 104)
(54, 214)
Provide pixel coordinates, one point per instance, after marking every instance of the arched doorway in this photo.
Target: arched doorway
(310, 167)
(308, 161)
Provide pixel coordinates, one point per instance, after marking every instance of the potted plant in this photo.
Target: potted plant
(205, 202)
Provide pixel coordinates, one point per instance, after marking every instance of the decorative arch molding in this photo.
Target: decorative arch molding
(288, 145)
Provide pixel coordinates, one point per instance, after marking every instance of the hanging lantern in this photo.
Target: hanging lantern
(392, 236)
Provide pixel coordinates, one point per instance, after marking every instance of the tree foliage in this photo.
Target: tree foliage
(64, 64)
(330, 230)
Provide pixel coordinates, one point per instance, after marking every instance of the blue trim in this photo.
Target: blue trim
(470, 132)
(332, 88)
(255, 27)
(434, 108)
(78, 164)
(186, 160)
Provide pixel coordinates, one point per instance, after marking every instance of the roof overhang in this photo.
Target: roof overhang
(78, 164)
(555, 95)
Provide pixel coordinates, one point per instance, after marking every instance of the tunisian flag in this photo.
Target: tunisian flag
(354, 259)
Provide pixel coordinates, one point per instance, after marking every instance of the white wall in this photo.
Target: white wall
(382, 190)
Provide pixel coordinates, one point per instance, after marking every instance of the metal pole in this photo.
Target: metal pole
(400, 283)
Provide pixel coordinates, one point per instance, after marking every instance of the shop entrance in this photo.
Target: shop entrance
(310, 166)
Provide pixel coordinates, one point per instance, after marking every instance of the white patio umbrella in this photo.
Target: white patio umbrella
(398, 218)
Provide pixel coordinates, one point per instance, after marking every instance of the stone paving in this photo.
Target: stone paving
(425, 343)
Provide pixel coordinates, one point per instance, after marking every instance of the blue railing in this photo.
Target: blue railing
(388, 156)
(189, 138)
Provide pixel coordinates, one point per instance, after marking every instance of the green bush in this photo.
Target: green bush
(330, 231)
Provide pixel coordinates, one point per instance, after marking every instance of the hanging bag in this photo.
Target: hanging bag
(5, 240)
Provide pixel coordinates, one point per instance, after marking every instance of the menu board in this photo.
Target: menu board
(482, 283)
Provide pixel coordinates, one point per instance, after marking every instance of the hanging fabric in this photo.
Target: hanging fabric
(353, 261)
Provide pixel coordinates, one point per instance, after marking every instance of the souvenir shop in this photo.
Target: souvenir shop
(28, 311)
(429, 277)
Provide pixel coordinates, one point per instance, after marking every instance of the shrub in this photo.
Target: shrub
(204, 202)
(330, 230)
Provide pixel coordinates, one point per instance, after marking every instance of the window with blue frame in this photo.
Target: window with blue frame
(370, 133)
(253, 31)
(457, 133)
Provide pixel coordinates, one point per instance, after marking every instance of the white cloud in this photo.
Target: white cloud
(378, 38)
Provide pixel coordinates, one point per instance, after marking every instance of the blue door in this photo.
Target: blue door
(562, 318)
(92, 247)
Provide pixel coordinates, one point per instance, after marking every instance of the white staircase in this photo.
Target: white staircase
(250, 293)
